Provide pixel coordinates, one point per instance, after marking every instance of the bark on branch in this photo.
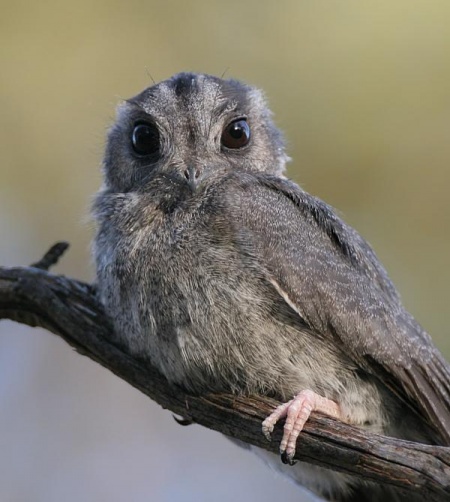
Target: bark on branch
(69, 308)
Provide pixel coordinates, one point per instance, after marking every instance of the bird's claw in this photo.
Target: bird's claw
(297, 412)
(288, 459)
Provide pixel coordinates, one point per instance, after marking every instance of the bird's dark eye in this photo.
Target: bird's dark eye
(145, 139)
(236, 134)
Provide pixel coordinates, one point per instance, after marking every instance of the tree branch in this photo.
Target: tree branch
(69, 308)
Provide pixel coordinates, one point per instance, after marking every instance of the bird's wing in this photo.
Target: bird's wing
(331, 277)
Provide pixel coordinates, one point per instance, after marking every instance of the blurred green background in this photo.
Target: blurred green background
(362, 91)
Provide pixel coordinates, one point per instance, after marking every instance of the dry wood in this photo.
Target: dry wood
(69, 308)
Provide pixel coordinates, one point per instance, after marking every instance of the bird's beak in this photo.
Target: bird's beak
(194, 175)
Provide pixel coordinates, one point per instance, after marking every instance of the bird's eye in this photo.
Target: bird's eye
(145, 139)
(236, 134)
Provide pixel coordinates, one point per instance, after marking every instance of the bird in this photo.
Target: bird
(225, 275)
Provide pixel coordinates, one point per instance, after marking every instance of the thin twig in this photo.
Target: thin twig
(52, 256)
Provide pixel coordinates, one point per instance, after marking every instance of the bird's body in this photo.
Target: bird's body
(226, 276)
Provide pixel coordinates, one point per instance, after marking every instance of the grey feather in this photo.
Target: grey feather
(227, 276)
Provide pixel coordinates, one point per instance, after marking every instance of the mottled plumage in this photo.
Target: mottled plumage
(225, 275)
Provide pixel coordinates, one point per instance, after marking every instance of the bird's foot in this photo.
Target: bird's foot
(297, 412)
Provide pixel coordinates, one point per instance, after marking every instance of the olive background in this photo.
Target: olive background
(362, 92)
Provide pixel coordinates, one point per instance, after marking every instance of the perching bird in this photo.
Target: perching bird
(227, 276)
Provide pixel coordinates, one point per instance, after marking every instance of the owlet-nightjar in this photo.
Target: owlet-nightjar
(227, 276)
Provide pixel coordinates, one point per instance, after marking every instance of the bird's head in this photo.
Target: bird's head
(189, 128)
